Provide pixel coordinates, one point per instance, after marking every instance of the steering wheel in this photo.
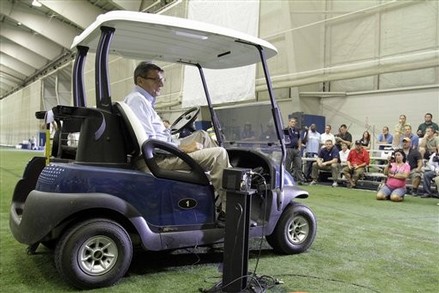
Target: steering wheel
(185, 121)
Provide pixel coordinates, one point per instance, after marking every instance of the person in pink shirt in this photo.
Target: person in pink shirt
(397, 172)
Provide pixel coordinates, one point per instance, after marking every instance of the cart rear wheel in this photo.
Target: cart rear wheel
(93, 254)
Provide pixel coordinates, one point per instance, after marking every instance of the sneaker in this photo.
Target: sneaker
(426, 195)
(335, 184)
(313, 182)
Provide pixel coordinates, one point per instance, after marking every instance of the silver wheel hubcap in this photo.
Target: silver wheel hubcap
(97, 255)
(298, 230)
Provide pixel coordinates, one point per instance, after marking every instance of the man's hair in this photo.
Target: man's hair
(143, 69)
(431, 127)
(431, 115)
(343, 126)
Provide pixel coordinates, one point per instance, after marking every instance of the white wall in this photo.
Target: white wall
(325, 46)
(375, 110)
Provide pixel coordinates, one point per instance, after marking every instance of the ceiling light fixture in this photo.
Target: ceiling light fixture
(36, 3)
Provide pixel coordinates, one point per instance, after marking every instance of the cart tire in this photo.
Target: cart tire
(93, 254)
(295, 231)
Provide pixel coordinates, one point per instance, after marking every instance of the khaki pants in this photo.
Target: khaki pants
(333, 168)
(353, 174)
(211, 158)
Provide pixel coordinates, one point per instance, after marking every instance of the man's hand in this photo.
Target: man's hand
(192, 147)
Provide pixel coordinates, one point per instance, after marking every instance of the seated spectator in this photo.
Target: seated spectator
(384, 138)
(431, 174)
(427, 123)
(343, 136)
(365, 140)
(415, 162)
(358, 160)
(343, 154)
(399, 130)
(397, 172)
(413, 137)
(327, 160)
(429, 143)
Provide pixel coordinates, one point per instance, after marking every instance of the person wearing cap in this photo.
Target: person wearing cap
(358, 160)
(397, 172)
(414, 159)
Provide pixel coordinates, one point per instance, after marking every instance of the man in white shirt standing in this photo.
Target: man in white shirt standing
(327, 135)
(312, 148)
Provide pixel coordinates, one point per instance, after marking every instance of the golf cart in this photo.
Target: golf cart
(89, 203)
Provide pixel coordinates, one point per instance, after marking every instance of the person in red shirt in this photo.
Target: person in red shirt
(358, 160)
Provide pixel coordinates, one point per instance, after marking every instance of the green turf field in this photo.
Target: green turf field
(362, 245)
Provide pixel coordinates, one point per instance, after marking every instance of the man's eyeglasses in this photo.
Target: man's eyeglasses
(156, 79)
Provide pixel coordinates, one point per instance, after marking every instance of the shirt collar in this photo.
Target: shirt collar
(147, 95)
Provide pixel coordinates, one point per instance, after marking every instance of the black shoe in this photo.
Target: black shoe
(426, 195)
(415, 192)
(221, 219)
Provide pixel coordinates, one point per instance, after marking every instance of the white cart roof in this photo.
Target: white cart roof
(146, 36)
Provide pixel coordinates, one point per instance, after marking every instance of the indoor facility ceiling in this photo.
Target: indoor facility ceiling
(36, 35)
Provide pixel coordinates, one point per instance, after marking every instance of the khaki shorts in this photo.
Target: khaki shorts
(414, 173)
